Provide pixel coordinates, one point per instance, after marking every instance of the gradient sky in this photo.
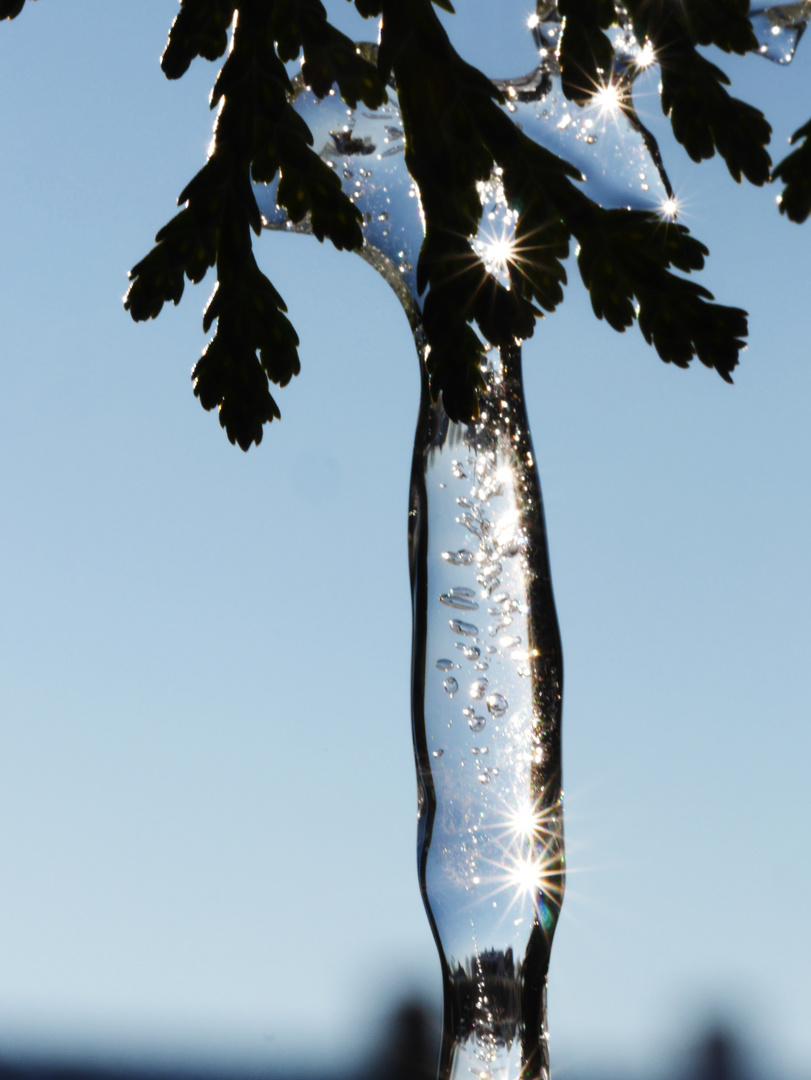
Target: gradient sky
(207, 796)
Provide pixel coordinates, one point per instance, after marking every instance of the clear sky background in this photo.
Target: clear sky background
(207, 794)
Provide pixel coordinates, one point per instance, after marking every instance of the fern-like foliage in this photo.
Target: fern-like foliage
(635, 266)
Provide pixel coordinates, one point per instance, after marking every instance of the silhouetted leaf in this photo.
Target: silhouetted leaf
(795, 172)
(10, 9)
(200, 29)
(586, 54)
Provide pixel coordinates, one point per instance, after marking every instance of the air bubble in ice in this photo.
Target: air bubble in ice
(458, 558)
(471, 524)
(459, 598)
(478, 688)
(496, 704)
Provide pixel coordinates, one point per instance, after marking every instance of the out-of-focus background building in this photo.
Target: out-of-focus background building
(405, 1048)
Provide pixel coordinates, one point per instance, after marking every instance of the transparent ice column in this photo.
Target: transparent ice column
(486, 662)
(486, 701)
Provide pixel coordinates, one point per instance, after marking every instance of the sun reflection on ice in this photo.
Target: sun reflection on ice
(527, 822)
(498, 249)
(609, 98)
(646, 57)
(527, 874)
(495, 241)
(526, 863)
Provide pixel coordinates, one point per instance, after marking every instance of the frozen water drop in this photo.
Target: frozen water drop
(496, 480)
(778, 28)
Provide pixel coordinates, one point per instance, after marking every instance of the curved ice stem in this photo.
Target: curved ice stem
(486, 703)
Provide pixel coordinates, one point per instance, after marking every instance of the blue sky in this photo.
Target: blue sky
(207, 804)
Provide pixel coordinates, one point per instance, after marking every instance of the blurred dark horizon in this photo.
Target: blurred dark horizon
(404, 1047)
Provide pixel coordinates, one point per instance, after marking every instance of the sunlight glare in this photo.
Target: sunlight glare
(527, 874)
(646, 57)
(526, 822)
(498, 249)
(609, 98)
